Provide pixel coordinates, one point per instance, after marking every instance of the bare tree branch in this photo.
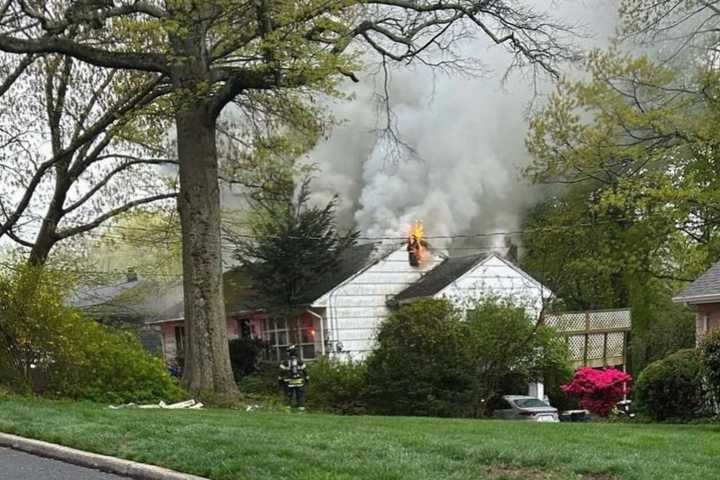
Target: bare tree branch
(70, 232)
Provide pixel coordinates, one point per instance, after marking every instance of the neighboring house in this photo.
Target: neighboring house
(243, 317)
(129, 304)
(704, 296)
(341, 313)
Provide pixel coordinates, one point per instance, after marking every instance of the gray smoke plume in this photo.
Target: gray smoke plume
(467, 135)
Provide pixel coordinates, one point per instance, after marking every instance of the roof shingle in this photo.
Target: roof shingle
(440, 277)
(350, 262)
(706, 285)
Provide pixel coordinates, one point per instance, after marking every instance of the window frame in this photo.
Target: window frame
(290, 329)
(179, 331)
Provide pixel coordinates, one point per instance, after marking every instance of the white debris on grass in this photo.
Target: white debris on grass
(188, 404)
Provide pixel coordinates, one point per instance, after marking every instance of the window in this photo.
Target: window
(530, 403)
(244, 330)
(499, 403)
(706, 323)
(504, 405)
(282, 333)
(180, 339)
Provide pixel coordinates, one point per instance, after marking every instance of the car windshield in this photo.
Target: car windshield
(530, 403)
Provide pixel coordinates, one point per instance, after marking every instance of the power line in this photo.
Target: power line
(459, 236)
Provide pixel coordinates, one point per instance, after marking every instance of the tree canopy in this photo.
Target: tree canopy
(634, 150)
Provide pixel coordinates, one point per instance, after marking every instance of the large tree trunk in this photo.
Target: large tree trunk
(207, 359)
(44, 242)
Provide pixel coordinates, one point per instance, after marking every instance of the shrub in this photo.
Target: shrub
(598, 390)
(710, 363)
(509, 350)
(430, 361)
(422, 365)
(263, 382)
(108, 366)
(338, 386)
(47, 347)
(244, 354)
(671, 388)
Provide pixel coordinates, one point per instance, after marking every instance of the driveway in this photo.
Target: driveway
(16, 465)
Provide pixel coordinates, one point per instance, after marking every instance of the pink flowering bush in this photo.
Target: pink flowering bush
(598, 390)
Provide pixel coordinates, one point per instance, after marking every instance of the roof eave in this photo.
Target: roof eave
(167, 320)
(696, 299)
(409, 300)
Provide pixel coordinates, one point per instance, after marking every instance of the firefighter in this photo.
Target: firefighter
(294, 378)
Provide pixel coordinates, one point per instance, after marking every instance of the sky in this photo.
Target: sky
(467, 135)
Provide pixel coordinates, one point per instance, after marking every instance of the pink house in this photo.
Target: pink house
(703, 295)
(172, 331)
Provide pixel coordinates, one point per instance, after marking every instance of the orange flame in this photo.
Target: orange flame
(416, 244)
(417, 231)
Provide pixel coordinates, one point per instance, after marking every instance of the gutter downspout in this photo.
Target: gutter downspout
(322, 330)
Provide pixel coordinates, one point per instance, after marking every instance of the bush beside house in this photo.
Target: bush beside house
(244, 355)
(49, 348)
(432, 361)
(672, 388)
(684, 385)
(423, 363)
(710, 362)
(338, 387)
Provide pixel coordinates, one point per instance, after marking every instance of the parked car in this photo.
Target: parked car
(522, 407)
(575, 416)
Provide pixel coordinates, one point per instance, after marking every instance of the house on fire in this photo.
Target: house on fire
(341, 312)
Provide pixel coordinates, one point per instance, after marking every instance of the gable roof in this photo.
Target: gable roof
(441, 276)
(706, 287)
(350, 262)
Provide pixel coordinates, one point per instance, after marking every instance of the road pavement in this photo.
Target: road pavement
(16, 465)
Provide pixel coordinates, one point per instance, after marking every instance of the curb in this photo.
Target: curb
(139, 471)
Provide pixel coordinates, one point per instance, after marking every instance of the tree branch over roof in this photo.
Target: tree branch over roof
(69, 232)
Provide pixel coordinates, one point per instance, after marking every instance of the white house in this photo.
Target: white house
(464, 280)
(351, 310)
(342, 312)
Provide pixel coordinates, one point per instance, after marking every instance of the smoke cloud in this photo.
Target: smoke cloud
(468, 138)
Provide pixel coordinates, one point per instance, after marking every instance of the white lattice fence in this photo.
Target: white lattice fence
(595, 338)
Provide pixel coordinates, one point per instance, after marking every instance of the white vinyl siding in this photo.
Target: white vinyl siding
(356, 308)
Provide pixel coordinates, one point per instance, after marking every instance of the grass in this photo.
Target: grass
(232, 444)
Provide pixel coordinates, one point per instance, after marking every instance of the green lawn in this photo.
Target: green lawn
(225, 444)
